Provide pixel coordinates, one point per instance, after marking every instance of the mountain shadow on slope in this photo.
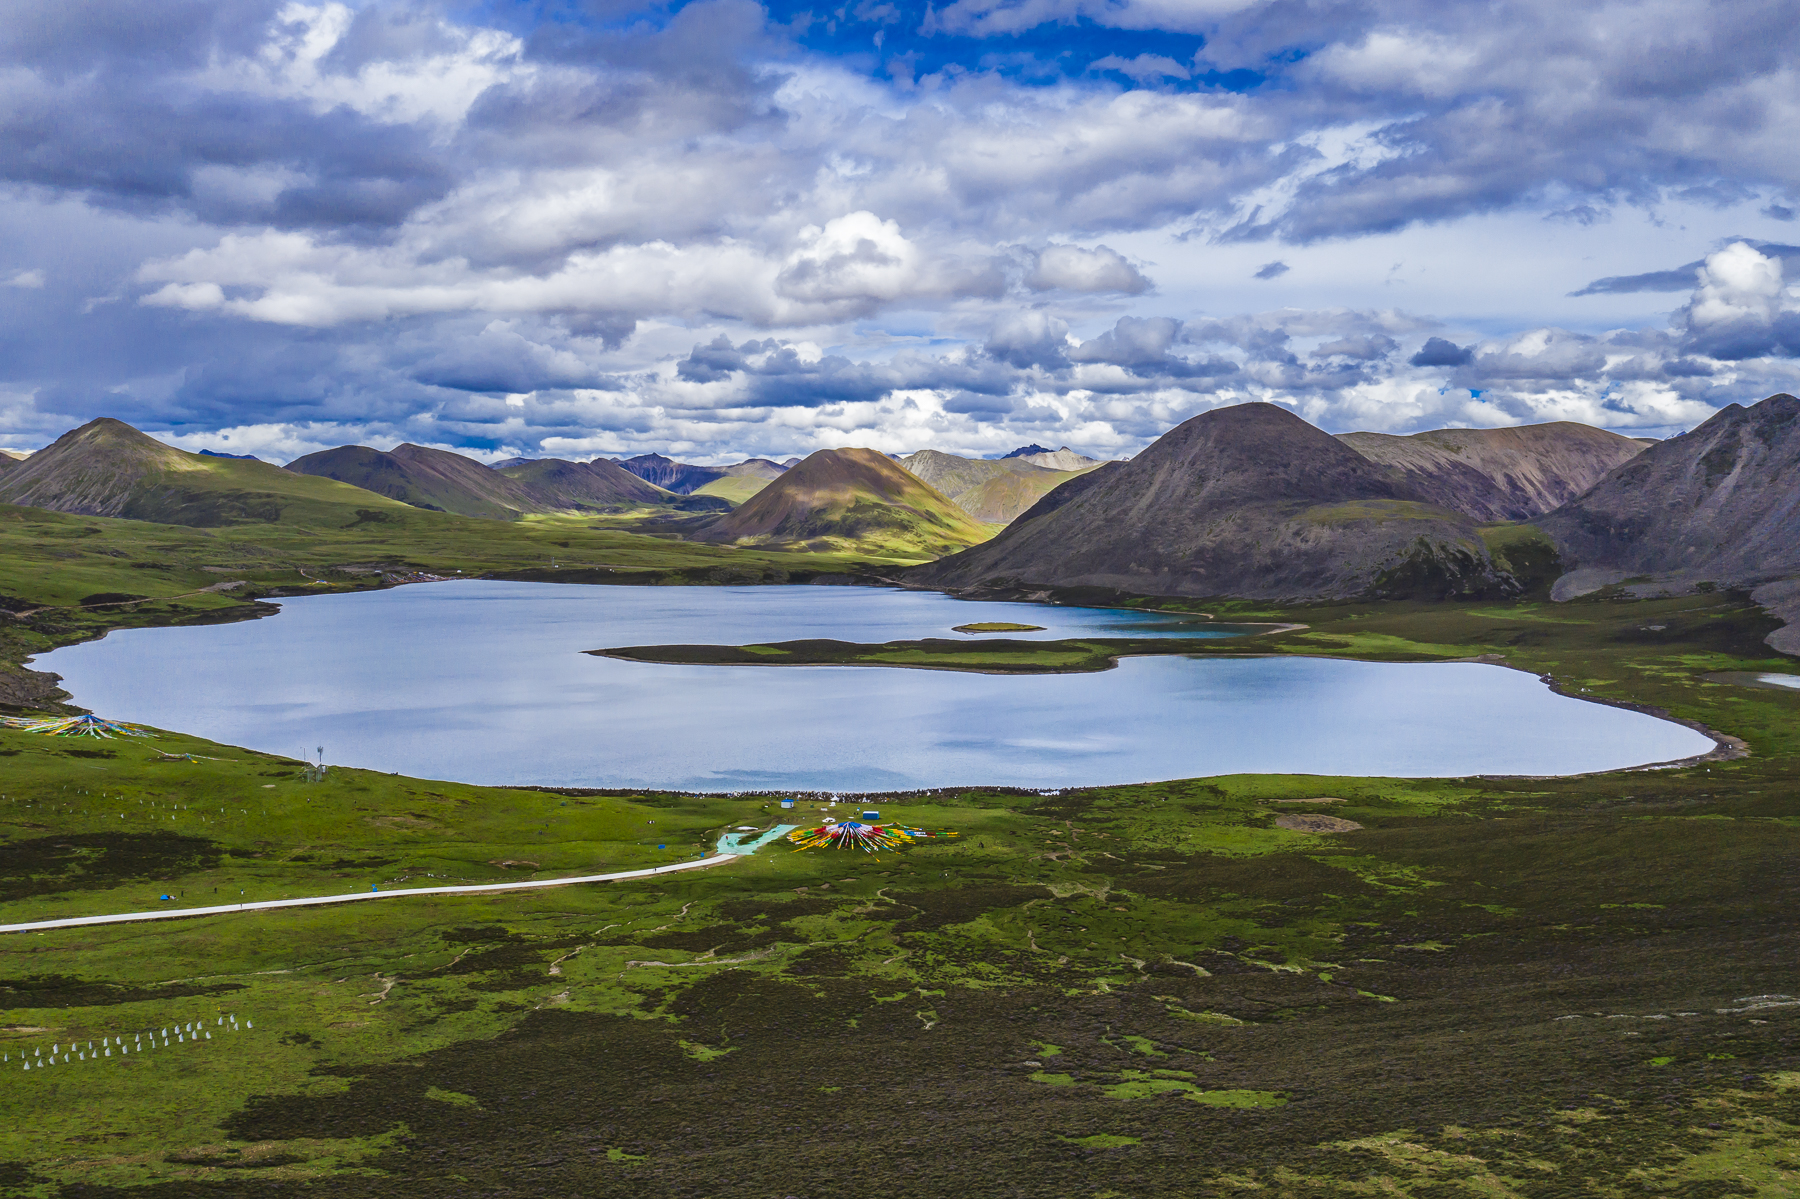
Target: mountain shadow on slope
(1247, 501)
(850, 498)
(1500, 474)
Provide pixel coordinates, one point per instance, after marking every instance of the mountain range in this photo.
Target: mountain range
(446, 482)
(1248, 501)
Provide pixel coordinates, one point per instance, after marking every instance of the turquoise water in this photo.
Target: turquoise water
(744, 844)
(486, 682)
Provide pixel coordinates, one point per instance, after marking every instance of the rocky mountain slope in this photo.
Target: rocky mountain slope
(1500, 474)
(1063, 459)
(108, 468)
(850, 496)
(679, 477)
(1718, 504)
(1246, 501)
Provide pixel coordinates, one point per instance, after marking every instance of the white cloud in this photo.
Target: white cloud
(1145, 68)
(1399, 60)
(858, 258)
(1736, 284)
(437, 85)
(1071, 268)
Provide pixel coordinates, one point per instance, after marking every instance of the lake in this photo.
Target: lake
(486, 682)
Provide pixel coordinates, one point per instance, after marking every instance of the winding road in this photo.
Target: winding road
(716, 859)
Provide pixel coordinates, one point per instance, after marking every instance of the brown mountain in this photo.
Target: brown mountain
(425, 478)
(851, 498)
(679, 477)
(90, 471)
(108, 468)
(582, 485)
(1242, 501)
(1718, 504)
(1500, 474)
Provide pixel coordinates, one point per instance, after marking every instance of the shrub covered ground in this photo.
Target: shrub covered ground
(1492, 987)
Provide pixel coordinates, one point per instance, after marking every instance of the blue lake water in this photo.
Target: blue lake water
(486, 682)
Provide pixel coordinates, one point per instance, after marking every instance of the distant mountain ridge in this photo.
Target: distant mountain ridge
(582, 485)
(1248, 500)
(425, 478)
(992, 490)
(834, 497)
(670, 475)
(1063, 459)
(1507, 474)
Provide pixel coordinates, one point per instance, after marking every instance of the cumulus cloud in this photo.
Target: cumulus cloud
(624, 227)
(1029, 338)
(1742, 308)
(1072, 268)
(1438, 352)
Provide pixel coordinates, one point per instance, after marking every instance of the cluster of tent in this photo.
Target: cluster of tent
(155, 1038)
(73, 726)
(854, 834)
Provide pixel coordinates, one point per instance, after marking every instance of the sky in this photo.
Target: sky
(720, 229)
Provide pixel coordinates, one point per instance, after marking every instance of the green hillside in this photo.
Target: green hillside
(108, 468)
(851, 500)
(733, 488)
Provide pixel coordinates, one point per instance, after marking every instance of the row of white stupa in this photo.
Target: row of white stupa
(180, 1034)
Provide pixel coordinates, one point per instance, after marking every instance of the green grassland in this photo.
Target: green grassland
(733, 488)
(1491, 987)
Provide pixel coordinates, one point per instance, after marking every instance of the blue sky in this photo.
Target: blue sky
(721, 229)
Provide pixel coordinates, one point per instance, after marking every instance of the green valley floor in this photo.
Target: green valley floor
(1435, 988)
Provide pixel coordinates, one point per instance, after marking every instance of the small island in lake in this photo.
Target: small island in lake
(998, 626)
